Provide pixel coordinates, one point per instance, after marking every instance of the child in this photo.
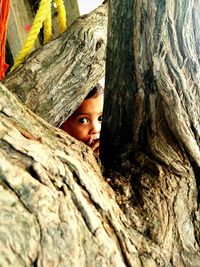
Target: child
(85, 123)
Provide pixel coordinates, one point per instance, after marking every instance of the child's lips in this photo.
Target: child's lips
(93, 139)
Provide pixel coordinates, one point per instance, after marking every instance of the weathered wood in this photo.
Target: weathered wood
(119, 113)
(56, 75)
(56, 208)
(155, 177)
(59, 211)
(151, 124)
(156, 69)
(72, 11)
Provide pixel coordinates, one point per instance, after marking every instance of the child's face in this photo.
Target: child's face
(85, 123)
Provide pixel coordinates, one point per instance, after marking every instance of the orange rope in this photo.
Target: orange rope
(4, 14)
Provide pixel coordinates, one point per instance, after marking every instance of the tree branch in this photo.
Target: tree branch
(54, 79)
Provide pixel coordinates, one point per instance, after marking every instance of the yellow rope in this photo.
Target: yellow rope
(62, 20)
(47, 26)
(35, 29)
(43, 15)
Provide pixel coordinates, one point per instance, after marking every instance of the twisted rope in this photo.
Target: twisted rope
(62, 18)
(43, 15)
(47, 26)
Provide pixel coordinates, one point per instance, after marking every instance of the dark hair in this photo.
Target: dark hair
(95, 91)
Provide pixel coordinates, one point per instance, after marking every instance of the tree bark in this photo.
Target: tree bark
(163, 68)
(54, 80)
(56, 208)
(151, 117)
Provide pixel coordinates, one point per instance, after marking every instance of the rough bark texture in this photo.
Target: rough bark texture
(56, 208)
(54, 79)
(157, 178)
(163, 70)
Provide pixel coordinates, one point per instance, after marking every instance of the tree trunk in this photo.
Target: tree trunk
(152, 118)
(54, 80)
(56, 208)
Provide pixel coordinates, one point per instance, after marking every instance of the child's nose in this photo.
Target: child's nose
(96, 127)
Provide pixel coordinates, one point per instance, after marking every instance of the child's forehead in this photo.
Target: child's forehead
(90, 106)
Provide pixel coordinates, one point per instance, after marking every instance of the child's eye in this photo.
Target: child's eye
(83, 120)
(100, 118)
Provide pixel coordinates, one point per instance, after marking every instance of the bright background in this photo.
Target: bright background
(85, 6)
